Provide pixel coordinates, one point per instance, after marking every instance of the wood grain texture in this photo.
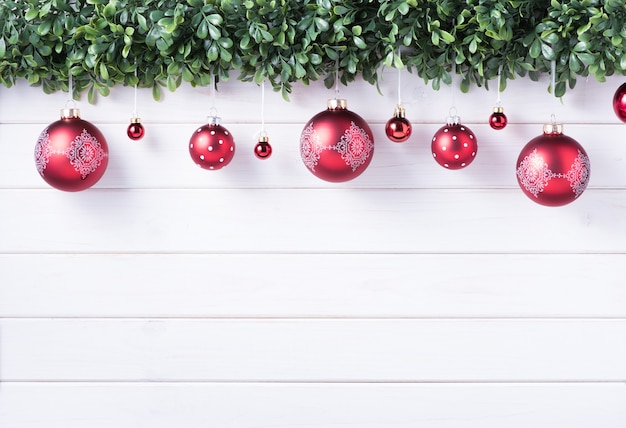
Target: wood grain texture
(313, 350)
(308, 221)
(312, 405)
(313, 285)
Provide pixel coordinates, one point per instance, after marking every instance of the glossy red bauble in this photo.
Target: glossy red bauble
(454, 145)
(263, 149)
(398, 128)
(498, 119)
(336, 145)
(71, 154)
(135, 130)
(212, 146)
(553, 169)
(619, 102)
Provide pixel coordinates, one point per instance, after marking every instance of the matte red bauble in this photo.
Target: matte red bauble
(398, 128)
(336, 145)
(454, 146)
(553, 169)
(135, 130)
(498, 119)
(263, 150)
(212, 146)
(71, 154)
(619, 102)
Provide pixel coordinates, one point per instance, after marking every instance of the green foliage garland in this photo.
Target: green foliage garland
(161, 43)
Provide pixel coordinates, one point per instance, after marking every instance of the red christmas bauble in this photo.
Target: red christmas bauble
(619, 102)
(212, 146)
(135, 130)
(263, 150)
(553, 169)
(71, 154)
(454, 146)
(398, 128)
(336, 145)
(498, 119)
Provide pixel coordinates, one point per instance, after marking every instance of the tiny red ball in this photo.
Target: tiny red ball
(398, 129)
(263, 150)
(135, 131)
(498, 121)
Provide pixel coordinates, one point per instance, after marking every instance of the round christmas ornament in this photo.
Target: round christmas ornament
(263, 149)
(336, 145)
(498, 119)
(212, 146)
(454, 145)
(398, 128)
(71, 154)
(619, 102)
(135, 130)
(553, 169)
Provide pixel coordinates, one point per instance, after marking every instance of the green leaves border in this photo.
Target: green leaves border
(162, 43)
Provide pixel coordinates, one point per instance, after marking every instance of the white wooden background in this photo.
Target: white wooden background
(259, 296)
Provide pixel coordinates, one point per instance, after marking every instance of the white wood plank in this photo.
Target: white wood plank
(238, 102)
(162, 159)
(313, 285)
(312, 350)
(305, 221)
(311, 405)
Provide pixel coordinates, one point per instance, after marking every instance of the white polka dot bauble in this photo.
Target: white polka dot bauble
(454, 146)
(212, 146)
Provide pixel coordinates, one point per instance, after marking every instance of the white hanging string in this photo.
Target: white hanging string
(499, 100)
(553, 83)
(135, 97)
(70, 81)
(399, 83)
(213, 109)
(453, 110)
(337, 78)
(263, 133)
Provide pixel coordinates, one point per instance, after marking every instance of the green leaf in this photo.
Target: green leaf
(31, 14)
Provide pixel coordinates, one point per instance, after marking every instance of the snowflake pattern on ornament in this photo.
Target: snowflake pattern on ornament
(42, 151)
(578, 175)
(355, 146)
(310, 147)
(534, 173)
(85, 153)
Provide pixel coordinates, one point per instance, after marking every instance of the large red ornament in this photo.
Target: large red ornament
(553, 169)
(454, 146)
(212, 146)
(398, 128)
(135, 130)
(619, 102)
(498, 119)
(71, 154)
(336, 145)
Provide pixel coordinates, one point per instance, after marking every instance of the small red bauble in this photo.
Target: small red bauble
(212, 146)
(619, 102)
(553, 169)
(135, 130)
(71, 154)
(336, 145)
(398, 128)
(498, 119)
(454, 146)
(263, 149)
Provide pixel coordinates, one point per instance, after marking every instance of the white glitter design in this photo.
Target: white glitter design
(85, 153)
(310, 149)
(355, 146)
(42, 151)
(534, 174)
(578, 175)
